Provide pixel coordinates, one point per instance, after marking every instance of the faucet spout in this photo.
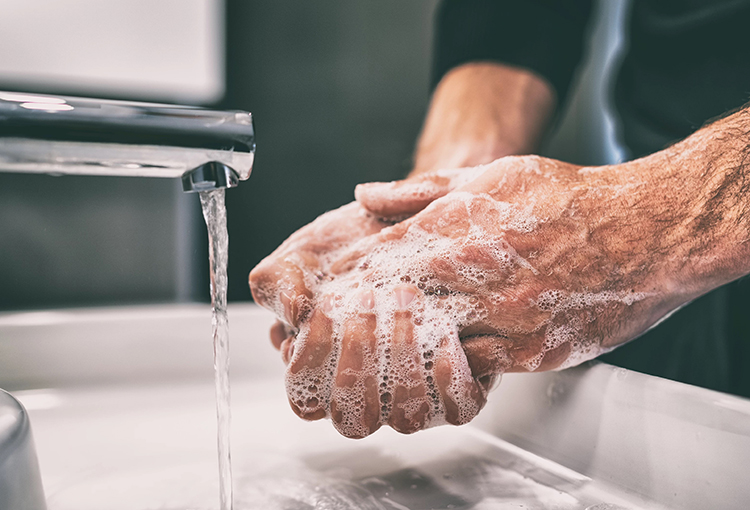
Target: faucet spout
(209, 176)
(208, 149)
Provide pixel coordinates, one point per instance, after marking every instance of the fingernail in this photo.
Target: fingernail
(327, 303)
(404, 296)
(496, 382)
(489, 382)
(287, 300)
(278, 334)
(368, 300)
(287, 350)
(361, 189)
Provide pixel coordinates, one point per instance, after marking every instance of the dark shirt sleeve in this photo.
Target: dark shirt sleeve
(543, 36)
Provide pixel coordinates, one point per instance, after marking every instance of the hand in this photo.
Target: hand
(533, 264)
(284, 281)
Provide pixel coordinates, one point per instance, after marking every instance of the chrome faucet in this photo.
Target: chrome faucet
(207, 149)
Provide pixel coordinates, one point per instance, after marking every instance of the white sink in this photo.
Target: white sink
(122, 408)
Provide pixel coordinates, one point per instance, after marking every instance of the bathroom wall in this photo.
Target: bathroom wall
(157, 50)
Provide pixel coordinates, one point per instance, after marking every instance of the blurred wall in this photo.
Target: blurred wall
(67, 241)
(156, 50)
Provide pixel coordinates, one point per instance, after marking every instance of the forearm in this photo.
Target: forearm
(718, 159)
(480, 112)
(698, 208)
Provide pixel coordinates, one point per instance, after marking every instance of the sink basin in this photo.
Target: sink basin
(20, 481)
(122, 406)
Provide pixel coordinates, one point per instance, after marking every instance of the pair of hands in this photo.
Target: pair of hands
(406, 306)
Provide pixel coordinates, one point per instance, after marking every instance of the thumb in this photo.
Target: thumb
(487, 359)
(409, 196)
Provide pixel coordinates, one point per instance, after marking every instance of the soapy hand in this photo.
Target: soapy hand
(524, 264)
(284, 281)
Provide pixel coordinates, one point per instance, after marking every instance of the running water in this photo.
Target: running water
(215, 215)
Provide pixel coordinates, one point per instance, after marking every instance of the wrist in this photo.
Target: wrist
(480, 112)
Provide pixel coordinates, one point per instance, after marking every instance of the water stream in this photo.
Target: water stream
(215, 214)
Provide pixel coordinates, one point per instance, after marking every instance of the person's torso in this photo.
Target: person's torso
(688, 61)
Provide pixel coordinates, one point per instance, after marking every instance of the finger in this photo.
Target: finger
(555, 357)
(308, 376)
(462, 397)
(355, 402)
(515, 353)
(282, 281)
(287, 349)
(409, 196)
(410, 407)
(279, 333)
(487, 359)
(279, 285)
(485, 354)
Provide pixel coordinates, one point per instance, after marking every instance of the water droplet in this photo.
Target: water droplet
(441, 291)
